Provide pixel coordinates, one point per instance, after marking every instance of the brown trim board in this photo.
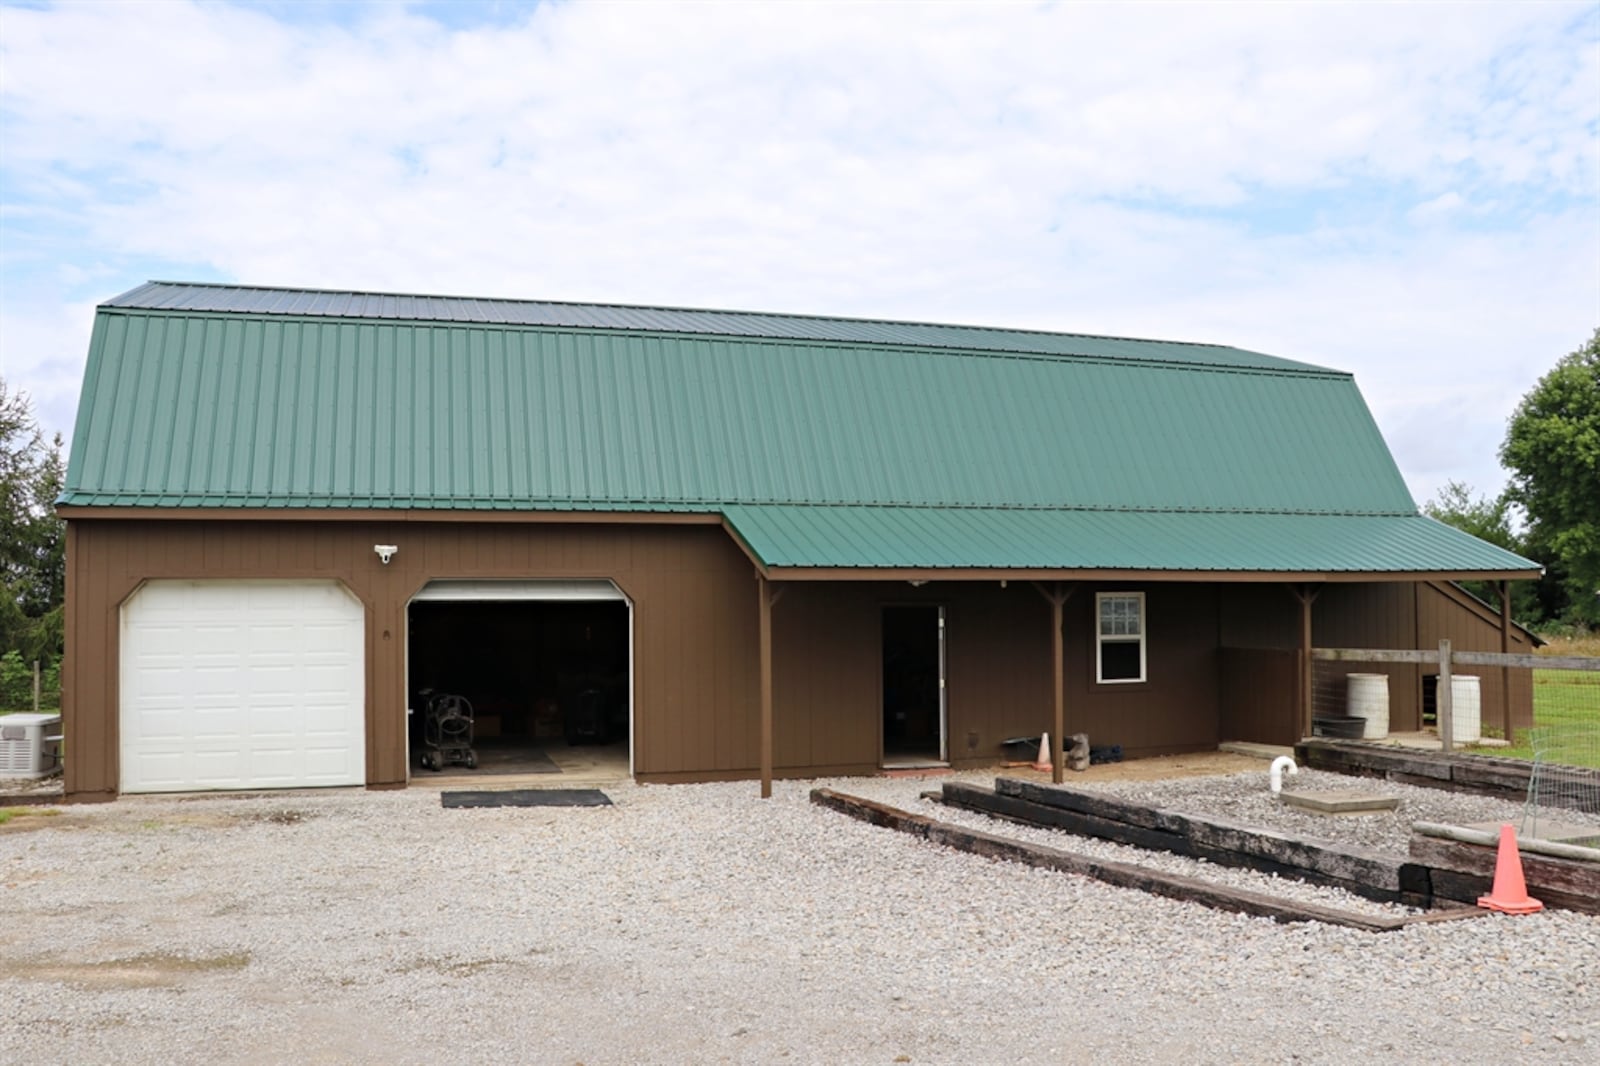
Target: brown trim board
(71, 512)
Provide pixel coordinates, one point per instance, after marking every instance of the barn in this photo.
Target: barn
(717, 545)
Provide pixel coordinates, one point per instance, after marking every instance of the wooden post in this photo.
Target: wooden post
(1505, 649)
(1443, 704)
(36, 686)
(765, 599)
(1058, 668)
(1057, 640)
(1306, 598)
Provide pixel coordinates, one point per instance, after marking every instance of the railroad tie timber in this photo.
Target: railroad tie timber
(1360, 871)
(1466, 865)
(1122, 875)
(1485, 775)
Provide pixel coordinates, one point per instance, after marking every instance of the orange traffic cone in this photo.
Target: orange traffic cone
(1042, 761)
(1510, 894)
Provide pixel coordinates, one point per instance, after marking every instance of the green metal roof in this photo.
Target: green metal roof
(920, 538)
(208, 396)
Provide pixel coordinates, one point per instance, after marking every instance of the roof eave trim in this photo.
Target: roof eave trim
(978, 573)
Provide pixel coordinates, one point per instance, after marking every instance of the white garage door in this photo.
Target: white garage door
(242, 684)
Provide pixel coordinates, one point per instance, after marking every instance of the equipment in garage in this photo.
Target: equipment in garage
(447, 732)
(541, 661)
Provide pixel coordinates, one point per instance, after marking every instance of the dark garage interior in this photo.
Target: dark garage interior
(538, 674)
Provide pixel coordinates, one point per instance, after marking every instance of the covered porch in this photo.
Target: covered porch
(1156, 632)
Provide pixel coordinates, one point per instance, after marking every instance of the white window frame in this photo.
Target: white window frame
(1101, 638)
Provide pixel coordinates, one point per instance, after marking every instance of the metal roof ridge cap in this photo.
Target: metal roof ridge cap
(1295, 370)
(660, 307)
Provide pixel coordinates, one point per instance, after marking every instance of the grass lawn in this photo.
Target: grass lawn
(1564, 698)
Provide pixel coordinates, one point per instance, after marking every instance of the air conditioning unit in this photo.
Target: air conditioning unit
(30, 745)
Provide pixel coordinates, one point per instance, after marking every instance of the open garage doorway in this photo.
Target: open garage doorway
(543, 667)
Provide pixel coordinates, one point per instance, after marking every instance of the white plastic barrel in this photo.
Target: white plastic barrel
(1368, 697)
(1466, 710)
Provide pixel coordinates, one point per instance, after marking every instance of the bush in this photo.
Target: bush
(16, 683)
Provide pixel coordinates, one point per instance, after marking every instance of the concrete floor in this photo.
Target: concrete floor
(578, 764)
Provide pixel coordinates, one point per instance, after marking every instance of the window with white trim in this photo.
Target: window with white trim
(1119, 637)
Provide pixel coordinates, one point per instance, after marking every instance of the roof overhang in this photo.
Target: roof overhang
(853, 543)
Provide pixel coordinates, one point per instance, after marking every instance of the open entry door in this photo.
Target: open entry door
(915, 723)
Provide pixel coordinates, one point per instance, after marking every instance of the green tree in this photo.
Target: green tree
(1552, 449)
(1487, 519)
(32, 538)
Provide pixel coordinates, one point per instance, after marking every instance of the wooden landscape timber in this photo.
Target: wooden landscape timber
(1484, 775)
(1360, 871)
(1123, 875)
(1465, 869)
(1416, 880)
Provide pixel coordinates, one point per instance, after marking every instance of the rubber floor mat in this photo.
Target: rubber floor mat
(528, 797)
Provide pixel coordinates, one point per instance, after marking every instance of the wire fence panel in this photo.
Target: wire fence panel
(1466, 699)
(1566, 778)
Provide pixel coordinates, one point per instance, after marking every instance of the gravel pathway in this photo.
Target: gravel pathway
(693, 924)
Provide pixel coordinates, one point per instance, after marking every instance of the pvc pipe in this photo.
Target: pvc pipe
(1554, 848)
(1279, 765)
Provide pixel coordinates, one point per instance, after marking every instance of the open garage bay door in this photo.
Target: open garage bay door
(546, 665)
(242, 685)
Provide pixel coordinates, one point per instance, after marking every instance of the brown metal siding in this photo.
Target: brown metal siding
(1447, 613)
(1368, 616)
(1176, 709)
(1258, 695)
(827, 673)
(694, 652)
(998, 647)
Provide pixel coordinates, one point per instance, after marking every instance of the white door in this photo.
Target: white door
(242, 684)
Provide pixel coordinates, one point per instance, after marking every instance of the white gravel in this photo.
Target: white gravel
(694, 924)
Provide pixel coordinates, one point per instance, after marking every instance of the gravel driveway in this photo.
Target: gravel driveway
(693, 924)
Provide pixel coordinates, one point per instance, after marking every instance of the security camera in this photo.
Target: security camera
(385, 552)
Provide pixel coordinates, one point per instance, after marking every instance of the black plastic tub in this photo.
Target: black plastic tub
(1339, 727)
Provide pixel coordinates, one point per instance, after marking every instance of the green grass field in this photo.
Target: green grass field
(1564, 698)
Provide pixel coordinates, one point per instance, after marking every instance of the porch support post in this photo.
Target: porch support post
(1058, 597)
(1305, 668)
(1058, 655)
(1505, 649)
(765, 599)
(1307, 597)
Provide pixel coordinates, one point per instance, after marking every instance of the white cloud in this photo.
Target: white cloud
(1233, 173)
(1440, 206)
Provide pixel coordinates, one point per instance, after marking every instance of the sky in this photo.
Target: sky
(1407, 192)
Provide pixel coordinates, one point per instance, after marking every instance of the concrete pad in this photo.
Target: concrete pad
(1340, 801)
(1254, 750)
(1547, 829)
(1425, 741)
